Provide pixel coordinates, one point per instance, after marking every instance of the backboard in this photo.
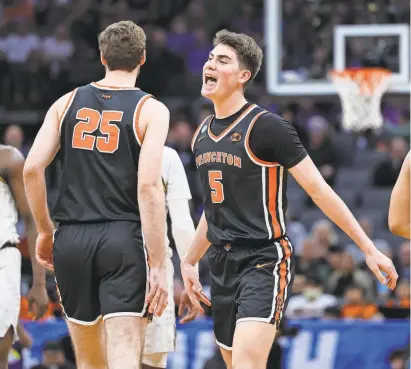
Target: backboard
(384, 45)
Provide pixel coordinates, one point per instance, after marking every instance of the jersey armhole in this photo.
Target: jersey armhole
(137, 111)
(67, 107)
(250, 154)
(197, 131)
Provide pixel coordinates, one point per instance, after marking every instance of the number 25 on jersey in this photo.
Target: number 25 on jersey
(89, 121)
(217, 188)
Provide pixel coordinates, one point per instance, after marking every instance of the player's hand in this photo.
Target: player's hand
(38, 300)
(193, 286)
(378, 263)
(44, 250)
(186, 304)
(157, 298)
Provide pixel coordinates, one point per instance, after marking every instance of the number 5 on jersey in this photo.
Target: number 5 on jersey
(89, 121)
(217, 188)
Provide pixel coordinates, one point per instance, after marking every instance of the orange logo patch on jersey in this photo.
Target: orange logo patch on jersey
(235, 137)
(106, 96)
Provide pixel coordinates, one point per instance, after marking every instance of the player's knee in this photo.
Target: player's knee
(155, 361)
(249, 358)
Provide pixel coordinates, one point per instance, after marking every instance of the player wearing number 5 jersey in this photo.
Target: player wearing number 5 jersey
(243, 154)
(111, 137)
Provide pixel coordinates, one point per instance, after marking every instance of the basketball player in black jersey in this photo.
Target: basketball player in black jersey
(111, 137)
(243, 154)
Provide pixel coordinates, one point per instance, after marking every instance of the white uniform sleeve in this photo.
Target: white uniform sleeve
(182, 226)
(177, 196)
(174, 176)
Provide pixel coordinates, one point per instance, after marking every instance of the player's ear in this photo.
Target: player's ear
(103, 59)
(143, 58)
(245, 75)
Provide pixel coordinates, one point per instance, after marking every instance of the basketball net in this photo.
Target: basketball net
(361, 90)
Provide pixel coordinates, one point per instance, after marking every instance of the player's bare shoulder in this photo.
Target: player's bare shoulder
(154, 112)
(61, 105)
(10, 157)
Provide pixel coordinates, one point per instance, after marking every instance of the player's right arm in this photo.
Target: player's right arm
(153, 124)
(43, 151)
(399, 212)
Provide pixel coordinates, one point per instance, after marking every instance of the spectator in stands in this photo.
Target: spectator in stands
(20, 11)
(321, 149)
(312, 302)
(295, 230)
(346, 275)
(356, 306)
(179, 39)
(199, 52)
(299, 283)
(311, 261)
(18, 47)
(247, 20)
(53, 357)
(398, 359)
(57, 51)
(324, 236)
(332, 313)
(163, 70)
(402, 296)
(14, 136)
(386, 173)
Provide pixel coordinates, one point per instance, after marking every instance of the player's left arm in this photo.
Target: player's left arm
(290, 153)
(38, 293)
(399, 212)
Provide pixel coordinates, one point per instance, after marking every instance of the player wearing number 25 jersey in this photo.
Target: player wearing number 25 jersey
(111, 137)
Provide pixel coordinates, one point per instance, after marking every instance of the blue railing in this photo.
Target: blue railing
(318, 345)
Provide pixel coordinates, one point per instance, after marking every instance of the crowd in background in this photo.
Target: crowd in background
(48, 47)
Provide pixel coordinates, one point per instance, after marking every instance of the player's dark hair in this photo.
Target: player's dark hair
(248, 52)
(122, 45)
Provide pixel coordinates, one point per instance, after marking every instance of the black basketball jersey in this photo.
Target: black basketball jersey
(244, 197)
(100, 147)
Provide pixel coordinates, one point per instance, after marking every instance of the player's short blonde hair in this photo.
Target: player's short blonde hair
(122, 45)
(249, 54)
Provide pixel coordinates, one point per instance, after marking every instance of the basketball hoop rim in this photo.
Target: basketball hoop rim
(353, 71)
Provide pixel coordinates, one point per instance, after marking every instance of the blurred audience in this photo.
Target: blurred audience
(356, 306)
(312, 302)
(387, 172)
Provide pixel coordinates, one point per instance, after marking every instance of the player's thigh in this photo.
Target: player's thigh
(121, 265)
(89, 345)
(252, 344)
(161, 331)
(158, 360)
(125, 340)
(74, 251)
(10, 278)
(266, 283)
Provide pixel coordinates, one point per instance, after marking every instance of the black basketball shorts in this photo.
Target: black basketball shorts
(101, 270)
(249, 284)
